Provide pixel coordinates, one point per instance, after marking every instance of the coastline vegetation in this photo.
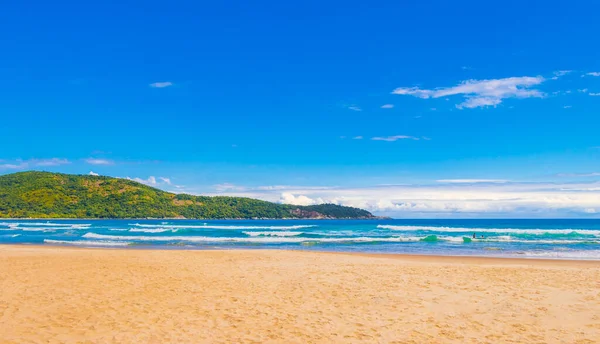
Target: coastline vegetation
(36, 194)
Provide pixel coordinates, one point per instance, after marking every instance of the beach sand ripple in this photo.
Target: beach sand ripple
(70, 295)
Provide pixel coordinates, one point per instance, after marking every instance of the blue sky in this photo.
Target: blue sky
(430, 109)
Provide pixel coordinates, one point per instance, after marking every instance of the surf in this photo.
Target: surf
(207, 226)
(539, 231)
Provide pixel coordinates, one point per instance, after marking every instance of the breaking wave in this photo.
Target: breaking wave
(261, 237)
(151, 230)
(255, 239)
(207, 226)
(490, 230)
(276, 234)
(47, 225)
(86, 243)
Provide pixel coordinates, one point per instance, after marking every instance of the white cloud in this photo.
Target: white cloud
(583, 90)
(96, 161)
(394, 138)
(595, 94)
(475, 102)
(227, 187)
(357, 138)
(20, 164)
(92, 173)
(567, 107)
(591, 174)
(161, 84)
(284, 187)
(592, 74)
(481, 93)
(465, 181)
(387, 106)
(49, 162)
(581, 189)
(354, 108)
(482, 199)
(152, 181)
(288, 198)
(560, 73)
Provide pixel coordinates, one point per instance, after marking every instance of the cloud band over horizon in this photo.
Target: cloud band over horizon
(451, 198)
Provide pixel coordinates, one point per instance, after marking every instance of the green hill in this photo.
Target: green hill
(55, 195)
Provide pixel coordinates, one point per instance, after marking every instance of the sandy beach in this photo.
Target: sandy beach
(70, 295)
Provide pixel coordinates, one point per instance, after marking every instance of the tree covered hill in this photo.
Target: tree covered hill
(55, 195)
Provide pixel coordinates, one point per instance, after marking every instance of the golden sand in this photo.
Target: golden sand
(65, 295)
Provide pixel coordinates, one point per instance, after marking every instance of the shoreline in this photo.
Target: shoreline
(434, 258)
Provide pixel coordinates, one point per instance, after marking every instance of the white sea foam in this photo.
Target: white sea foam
(50, 224)
(258, 238)
(152, 230)
(451, 239)
(86, 242)
(578, 254)
(82, 226)
(558, 241)
(221, 227)
(503, 237)
(509, 239)
(35, 229)
(276, 234)
(490, 230)
(247, 240)
(35, 225)
(346, 232)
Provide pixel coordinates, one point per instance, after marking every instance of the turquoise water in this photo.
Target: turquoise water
(566, 239)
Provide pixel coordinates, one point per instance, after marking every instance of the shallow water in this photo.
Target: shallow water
(566, 239)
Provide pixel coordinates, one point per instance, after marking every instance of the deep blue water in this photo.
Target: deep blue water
(568, 239)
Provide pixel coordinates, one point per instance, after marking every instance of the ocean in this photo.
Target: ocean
(560, 239)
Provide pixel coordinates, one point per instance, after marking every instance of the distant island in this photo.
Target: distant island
(55, 195)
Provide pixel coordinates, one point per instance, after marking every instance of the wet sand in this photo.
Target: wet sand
(71, 295)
